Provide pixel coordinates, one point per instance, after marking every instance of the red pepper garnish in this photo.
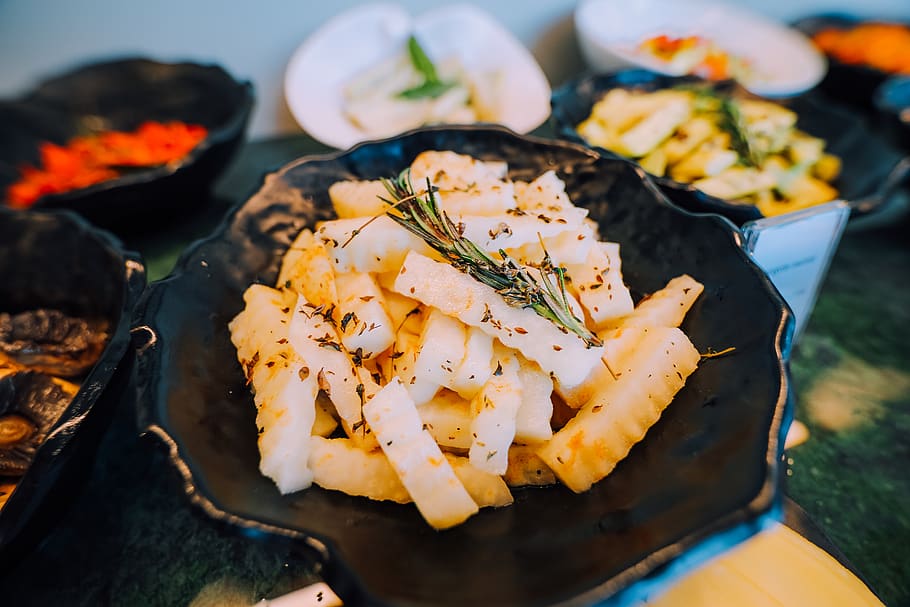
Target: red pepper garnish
(88, 160)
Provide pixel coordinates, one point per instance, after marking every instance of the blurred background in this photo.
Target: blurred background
(255, 40)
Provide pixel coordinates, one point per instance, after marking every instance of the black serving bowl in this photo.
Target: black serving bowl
(121, 95)
(706, 476)
(872, 166)
(55, 259)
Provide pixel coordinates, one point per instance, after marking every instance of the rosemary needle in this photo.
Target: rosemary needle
(731, 120)
(513, 281)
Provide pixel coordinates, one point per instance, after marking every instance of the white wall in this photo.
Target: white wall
(254, 39)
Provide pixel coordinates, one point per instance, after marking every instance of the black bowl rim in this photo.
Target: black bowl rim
(93, 386)
(218, 135)
(658, 569)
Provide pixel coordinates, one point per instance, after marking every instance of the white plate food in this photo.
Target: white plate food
(780, 60)
(514, 90)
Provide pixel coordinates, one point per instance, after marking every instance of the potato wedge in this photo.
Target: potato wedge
(476, 365)
(485, 488)
(532, 420)
(441, 349)
(495, 409)
(448, 417)
(339, 464)
(307, 269)
(284, 389)
(590, 445)
(364, 325)
(358, 198)
(381, 247)
(439, 284)
(599, 285)
(664, 308)
(527, 469)
(424, 471)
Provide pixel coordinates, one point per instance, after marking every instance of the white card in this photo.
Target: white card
(795, 250)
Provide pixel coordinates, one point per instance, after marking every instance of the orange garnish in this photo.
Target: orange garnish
(91, 159)
(707, 59)
(883, 46)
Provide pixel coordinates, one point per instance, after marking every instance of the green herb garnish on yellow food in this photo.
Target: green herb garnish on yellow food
(742, 150)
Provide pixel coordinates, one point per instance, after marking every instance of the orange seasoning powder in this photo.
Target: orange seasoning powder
(91, 159)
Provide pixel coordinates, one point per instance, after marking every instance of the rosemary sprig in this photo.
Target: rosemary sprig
(730, 120)
(516, 284)
(431, 86)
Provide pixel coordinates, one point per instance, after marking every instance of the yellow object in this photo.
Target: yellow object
(742, 150)
(776, 568)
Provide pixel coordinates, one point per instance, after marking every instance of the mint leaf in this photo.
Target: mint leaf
(431, 89)
(420, 60)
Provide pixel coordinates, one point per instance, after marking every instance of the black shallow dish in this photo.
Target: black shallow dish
(57, 260)
(892, 100)
(706, 476)
(851, 83)
(121, 95)
(872, 165)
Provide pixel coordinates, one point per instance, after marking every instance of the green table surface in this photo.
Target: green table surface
(131, 536)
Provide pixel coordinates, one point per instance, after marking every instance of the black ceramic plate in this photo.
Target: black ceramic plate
(872, 165)
(121, 95)
(706, 476)
(852, 83)
(57, 260)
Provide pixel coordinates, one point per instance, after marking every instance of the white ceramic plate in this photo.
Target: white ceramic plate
(354, 40)
(783, 61)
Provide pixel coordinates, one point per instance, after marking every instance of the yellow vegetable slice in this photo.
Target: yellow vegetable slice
(664, 308)
(307, 269)
(495, 409)
(599, 285)
(532, 421)
(362, 319)
(590, 445)
(340, 464)
(485, 488)
(527, 469)
(475, 367)
(357, 198)
(448, 418)
(457, 294)
(466, 185)
(423, 469)
(284, 386)
(689, 136)
(655, 128)
(380, 248)
(441, 349)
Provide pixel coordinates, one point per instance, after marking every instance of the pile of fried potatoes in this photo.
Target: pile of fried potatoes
(742, 150)
(381, 370)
